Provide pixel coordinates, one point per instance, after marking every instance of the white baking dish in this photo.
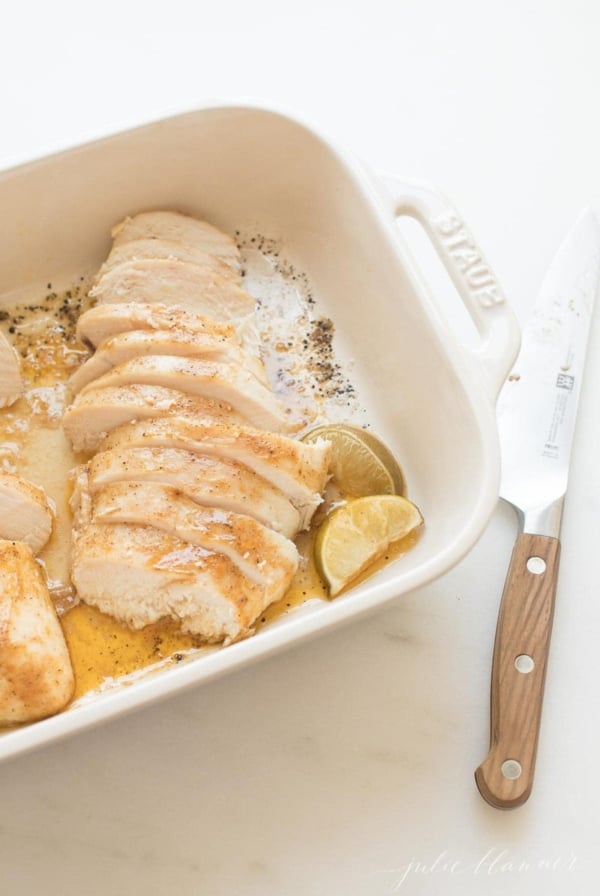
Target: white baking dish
(432, 398)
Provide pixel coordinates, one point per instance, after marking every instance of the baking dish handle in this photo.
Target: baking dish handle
(470, 273)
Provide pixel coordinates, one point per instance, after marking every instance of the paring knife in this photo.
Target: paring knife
(536, 419)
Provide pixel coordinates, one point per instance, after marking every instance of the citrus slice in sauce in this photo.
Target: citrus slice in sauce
(358, 533)
(361, 464)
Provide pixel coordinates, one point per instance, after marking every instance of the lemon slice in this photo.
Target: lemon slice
(360, 463)
(358, 533)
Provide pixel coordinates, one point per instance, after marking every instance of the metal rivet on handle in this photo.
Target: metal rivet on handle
(511, 769)
(536, 565)
(524, 663)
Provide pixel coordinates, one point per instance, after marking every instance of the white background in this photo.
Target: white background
(344, 766)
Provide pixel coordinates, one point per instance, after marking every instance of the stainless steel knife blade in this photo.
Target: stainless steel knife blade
(536, 419)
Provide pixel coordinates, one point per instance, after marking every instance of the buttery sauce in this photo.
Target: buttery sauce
(106, 653)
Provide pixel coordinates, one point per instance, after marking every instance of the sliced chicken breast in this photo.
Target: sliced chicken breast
(137, 250)
(169, 281)
(298, 469)
(228, 383)
(11, 384)
(175, 342)
(179, 228)
(206, 480)
(104, 321)
(98, 410)
(25, 513)
(139, 575)
(265, 556)
(36, 676)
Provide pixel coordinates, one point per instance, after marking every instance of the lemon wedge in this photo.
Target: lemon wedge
(361, 464)
(359, 532)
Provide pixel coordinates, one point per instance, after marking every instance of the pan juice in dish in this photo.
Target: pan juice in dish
(296, 346)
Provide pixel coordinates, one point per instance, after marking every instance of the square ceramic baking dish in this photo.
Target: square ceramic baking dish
(432, 398)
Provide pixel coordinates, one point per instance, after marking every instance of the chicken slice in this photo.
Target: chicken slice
(11, 384)
(25, 514)
(36, 676)
(104, 321)
(169, 281)
(97, 411)
(139, 575)
(179, 228)
(265, 556)
(137, 250)
(298, 469)
(229, 383)
(205, 480)
(175, 342)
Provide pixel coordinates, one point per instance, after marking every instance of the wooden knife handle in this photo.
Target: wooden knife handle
(505, 777)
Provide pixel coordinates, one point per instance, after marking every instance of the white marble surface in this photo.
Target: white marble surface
(344, 766)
